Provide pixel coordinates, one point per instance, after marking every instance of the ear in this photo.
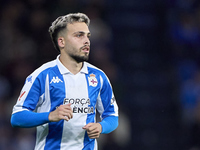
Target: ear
(61, 42)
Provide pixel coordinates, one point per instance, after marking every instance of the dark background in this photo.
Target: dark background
(149, 49)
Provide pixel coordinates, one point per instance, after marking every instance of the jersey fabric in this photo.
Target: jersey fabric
(52, 85)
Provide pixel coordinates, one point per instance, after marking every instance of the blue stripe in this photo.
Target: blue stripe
(35, 92)
(54, 137)
(57, 95)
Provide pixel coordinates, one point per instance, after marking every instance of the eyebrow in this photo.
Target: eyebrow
(81, 32)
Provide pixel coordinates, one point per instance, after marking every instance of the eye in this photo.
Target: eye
(79, 35)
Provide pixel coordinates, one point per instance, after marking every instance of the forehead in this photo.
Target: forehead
(77, 26)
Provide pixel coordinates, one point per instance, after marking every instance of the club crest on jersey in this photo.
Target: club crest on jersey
(92, 80)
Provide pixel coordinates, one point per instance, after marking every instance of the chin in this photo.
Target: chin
(81, 58)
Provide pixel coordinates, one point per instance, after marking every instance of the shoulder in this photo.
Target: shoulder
(97, 71)
(42, 69)
(92, 68)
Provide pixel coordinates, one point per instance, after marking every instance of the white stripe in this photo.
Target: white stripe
(75, 88)
(99, 104)
(19, 110)
(42, 131)
(96, 145)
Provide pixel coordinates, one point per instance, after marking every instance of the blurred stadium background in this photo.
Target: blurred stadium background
(149, 49)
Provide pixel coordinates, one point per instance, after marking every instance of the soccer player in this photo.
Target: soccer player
(61, 97)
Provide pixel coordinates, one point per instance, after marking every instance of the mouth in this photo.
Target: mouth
(86, 49)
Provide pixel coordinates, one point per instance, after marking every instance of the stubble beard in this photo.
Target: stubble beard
(79, 58)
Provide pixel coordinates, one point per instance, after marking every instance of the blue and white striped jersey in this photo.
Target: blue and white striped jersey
(52, 85)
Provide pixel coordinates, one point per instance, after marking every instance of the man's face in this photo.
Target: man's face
(77, 43)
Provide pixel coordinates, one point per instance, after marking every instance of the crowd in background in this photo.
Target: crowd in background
(25, 44)
(184, 31)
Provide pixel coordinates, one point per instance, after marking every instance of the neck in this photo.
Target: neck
(73, 66)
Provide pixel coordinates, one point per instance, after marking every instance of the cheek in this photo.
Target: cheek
(72, 48)
(73, 42)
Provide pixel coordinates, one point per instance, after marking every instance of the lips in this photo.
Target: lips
(85, 49)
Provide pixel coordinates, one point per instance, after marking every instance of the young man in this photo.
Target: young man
(61, 97)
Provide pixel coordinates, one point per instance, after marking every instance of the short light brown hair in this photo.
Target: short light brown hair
(61, 23)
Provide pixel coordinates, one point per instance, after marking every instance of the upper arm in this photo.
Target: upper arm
(106, 103)
(30, 94)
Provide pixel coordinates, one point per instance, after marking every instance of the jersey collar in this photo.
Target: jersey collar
(84, 68)
(64, 70)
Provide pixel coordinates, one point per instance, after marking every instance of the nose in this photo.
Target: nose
(86, 41)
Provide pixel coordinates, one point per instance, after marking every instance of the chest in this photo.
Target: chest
(79, 90)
